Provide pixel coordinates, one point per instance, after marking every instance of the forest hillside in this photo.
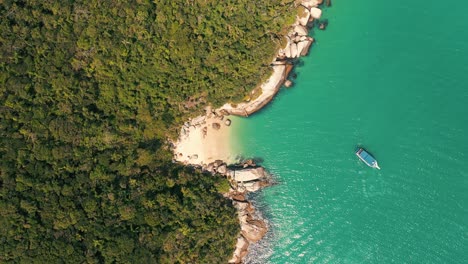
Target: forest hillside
(90, 91)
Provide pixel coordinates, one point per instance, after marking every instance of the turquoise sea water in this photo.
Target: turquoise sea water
(392, 77)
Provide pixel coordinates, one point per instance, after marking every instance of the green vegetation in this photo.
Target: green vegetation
(89, 93)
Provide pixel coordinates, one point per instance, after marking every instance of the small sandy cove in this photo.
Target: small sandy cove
(205, 139)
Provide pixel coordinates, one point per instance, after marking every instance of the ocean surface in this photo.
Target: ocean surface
(392, 77)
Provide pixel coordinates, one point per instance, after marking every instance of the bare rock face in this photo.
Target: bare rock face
(300, 30)
(222, 169)
(294, 53)
(306, 46)
(210, 167)
(310, 3)
(216, 126)
(315, 12)
(254, 230)
(239, 197)
(241, 250)
(301, 46)
(287, 51)
(253, 186)
(250, 174)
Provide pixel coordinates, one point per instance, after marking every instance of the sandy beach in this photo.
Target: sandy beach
(205, 139)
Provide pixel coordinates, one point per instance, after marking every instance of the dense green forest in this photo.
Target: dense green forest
(90, 91)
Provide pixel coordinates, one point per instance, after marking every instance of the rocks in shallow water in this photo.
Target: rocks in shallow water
(216, 126)
(323, 24)
(288, 83)
(227, 122)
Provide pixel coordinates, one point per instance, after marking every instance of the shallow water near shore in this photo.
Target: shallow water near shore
(392, 78)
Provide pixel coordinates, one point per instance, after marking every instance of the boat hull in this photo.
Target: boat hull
(367, 158)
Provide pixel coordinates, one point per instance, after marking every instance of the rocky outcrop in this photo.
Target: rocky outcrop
(297, 43)
(315, 12)
(248, 174)
(244, 178)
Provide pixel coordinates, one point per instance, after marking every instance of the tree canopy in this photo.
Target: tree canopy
(89, 93)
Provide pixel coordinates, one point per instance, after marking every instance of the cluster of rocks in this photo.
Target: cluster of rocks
(297, 40)
(201, 122)
(253, 227)
(244, 178)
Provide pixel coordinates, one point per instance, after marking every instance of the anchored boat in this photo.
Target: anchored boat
(367, 158)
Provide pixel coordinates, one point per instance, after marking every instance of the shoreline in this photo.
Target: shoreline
(205, 141)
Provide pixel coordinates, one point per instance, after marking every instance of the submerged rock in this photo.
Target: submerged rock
(323, 24)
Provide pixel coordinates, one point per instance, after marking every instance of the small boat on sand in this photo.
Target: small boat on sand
(367, 158)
